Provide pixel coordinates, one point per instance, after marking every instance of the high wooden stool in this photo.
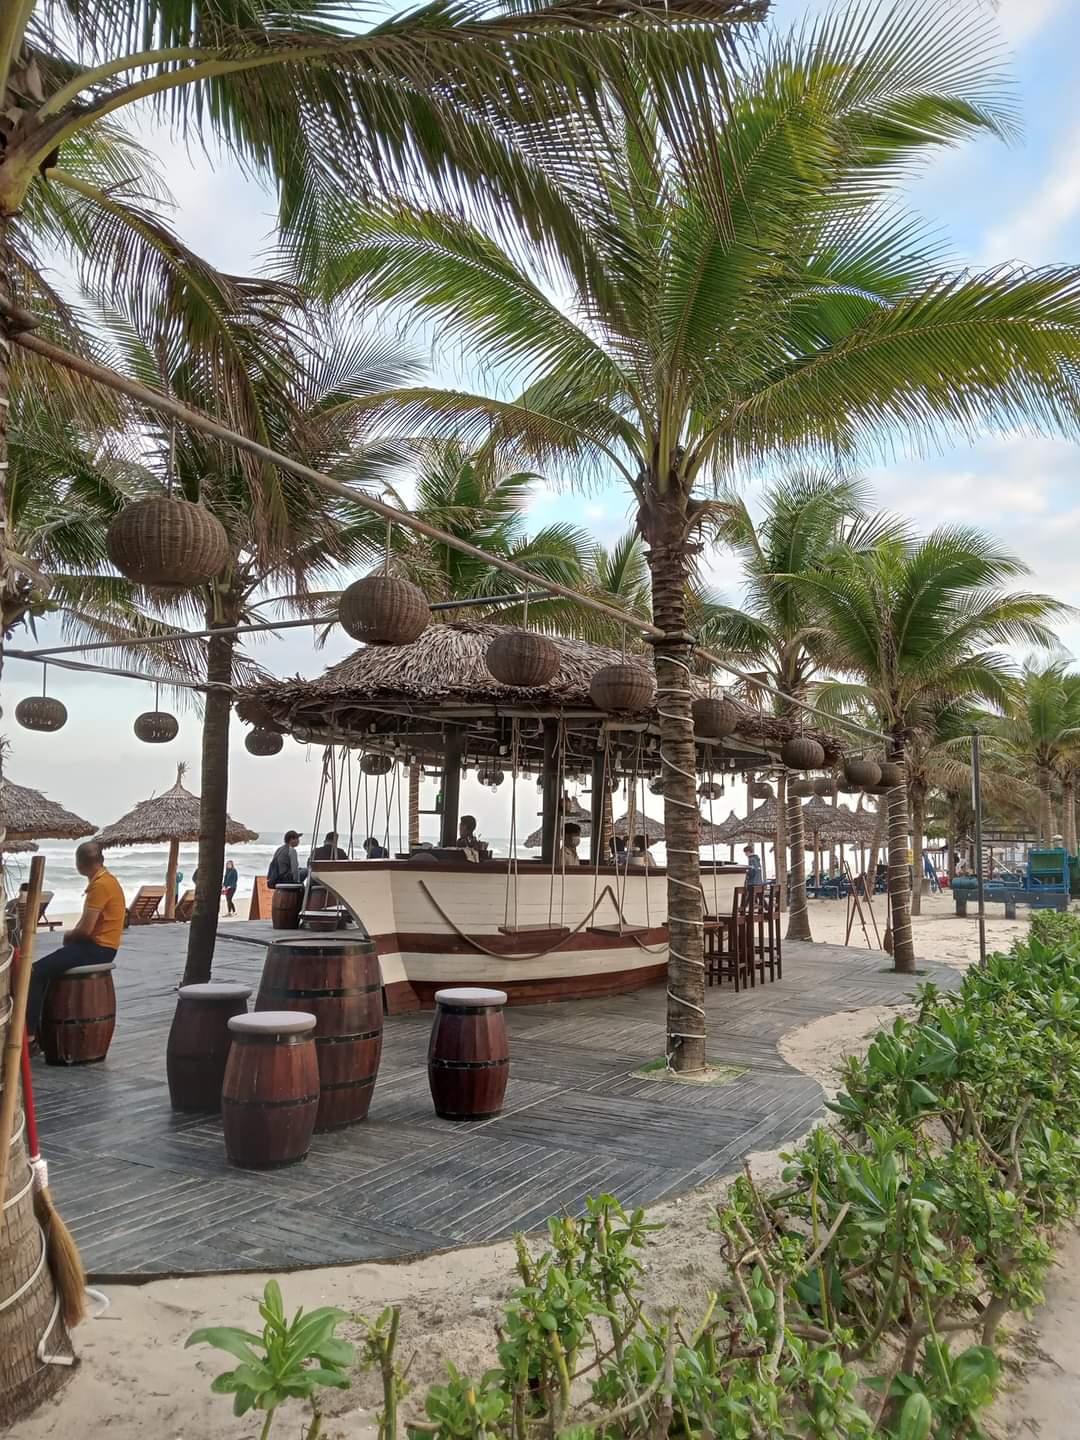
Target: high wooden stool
(79, 1016)
(270, 1093)
(469, 1053)
(199, 1042)
(339, 982)
(285, 907)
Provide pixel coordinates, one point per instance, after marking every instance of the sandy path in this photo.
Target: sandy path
(136, 1379)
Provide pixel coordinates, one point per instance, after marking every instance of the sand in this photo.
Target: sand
(136, 1379)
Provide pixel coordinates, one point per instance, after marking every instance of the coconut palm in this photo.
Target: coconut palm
(667, 342)
(1040, 731)
(777, 635)
(916, 622)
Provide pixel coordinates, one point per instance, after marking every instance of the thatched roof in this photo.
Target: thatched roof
(173, 815)
(18, 847)
(30, 815)
(407, 692)
(836, 822)
(645, 825)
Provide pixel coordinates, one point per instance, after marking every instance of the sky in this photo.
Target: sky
(995, 203)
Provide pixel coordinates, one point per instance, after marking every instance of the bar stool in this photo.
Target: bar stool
(270, 1093)
(79, 1015)
(199, 1040)
(727, 944)
(469, 1053)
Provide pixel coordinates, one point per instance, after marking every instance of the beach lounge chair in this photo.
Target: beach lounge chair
(262, 899)
(15, 906)
(143, 909)
(185, 905)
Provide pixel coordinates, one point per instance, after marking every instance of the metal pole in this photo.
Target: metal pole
(976, 805)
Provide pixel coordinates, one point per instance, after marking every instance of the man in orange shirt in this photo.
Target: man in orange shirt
(93, 941)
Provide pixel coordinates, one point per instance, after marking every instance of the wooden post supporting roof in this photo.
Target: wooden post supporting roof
(550, 793)
(451, 784)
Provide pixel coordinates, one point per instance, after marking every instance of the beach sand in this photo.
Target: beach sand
(136, 1379)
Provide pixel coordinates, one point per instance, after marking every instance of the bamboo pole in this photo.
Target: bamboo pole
(170, 879)
(13, 1044)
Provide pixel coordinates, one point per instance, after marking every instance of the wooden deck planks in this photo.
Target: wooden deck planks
(147, 1191)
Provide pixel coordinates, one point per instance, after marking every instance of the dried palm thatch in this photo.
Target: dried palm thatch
(18, 847)
(834, 822)
(645, 825)
(173, 815)
(443, 676)
(30, 815)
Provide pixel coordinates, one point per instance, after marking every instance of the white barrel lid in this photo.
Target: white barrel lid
(273, 1022)
(468, 997)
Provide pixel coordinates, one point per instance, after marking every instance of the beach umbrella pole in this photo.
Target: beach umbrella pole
(170, 879)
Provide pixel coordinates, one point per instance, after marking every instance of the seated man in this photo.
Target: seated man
(93, 941)
(374, 851)
(285, 867)
(467, 838)
(571, 840)
(639, 855)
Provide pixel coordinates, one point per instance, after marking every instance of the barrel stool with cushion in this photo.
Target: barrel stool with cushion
(469, 1053)
(199, 1042)
(337, 980)
(270, 1094)
(285, 907)
(79, 1016)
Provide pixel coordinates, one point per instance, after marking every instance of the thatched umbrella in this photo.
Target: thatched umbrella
(172, 817)
(572, 812)
(29, 815)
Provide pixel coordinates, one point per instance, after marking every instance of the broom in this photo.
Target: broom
(63, 1257)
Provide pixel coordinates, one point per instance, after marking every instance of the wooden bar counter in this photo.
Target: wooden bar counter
(515, 927)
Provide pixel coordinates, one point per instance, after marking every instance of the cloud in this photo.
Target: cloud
(1035, 233)
(1021, 20)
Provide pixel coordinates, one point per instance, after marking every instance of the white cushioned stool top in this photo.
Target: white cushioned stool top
(88, 970)
(213, 991)
(273, 1022)
(469, 996)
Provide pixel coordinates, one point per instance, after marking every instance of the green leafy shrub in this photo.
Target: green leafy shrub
(861, 1299)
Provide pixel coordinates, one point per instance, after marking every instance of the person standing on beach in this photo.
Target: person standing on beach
(94, 940)
(230, 880)
(753, 866)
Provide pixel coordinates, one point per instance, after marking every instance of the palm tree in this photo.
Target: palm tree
(671, 339)
(1040, 731)
(914, 622)
(778, 635)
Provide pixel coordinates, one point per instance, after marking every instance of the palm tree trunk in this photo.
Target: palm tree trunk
(665, 528)
(780, 849)
(213, 803)
(1046, 812)
(798, 926)
(918, 827)
(1068, 812)
(900, 873)
(415, 773)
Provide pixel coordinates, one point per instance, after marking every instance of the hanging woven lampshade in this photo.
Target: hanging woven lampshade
(801, 789)
(710, 790)
(41, 712)
(862, 774)
(846, 788)
(263, 742)
(892, 773)
(523, 658)
(760, 791)
(823, 786)
(384, 610)
(802, 753)
(166, 541)
(156, 727)
(714, 717)
(375, 764)
(490, 777)
(622, 687)
(656, 786)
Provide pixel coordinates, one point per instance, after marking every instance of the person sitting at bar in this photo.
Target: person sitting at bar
(467, 838)
(94, 940)
(374, 851)
(329, 849)
(571, 839)
(285, 868)
(753, 866)
(621, 857)
(639, 855)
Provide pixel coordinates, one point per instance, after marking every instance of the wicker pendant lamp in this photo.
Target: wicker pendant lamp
(802, 753)
(714, 717)
(163, 540)
(157, 726)
(861, 773)
(41, 712)
(263, 742)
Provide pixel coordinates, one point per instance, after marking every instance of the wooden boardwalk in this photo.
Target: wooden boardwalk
(149, 1192)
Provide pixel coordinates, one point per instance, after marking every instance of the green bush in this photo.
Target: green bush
(864, 1297)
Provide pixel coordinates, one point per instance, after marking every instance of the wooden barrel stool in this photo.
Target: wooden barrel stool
(285, 907)
(469, 1053)
(271, 1088)
(79, 1016)
(339, 982)
(199, 1042)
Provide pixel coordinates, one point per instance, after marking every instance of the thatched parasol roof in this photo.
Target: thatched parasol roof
(836, 822)
(645, 825)
(30, 815)
(401, 694)
(173, 815)
(18, 847)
